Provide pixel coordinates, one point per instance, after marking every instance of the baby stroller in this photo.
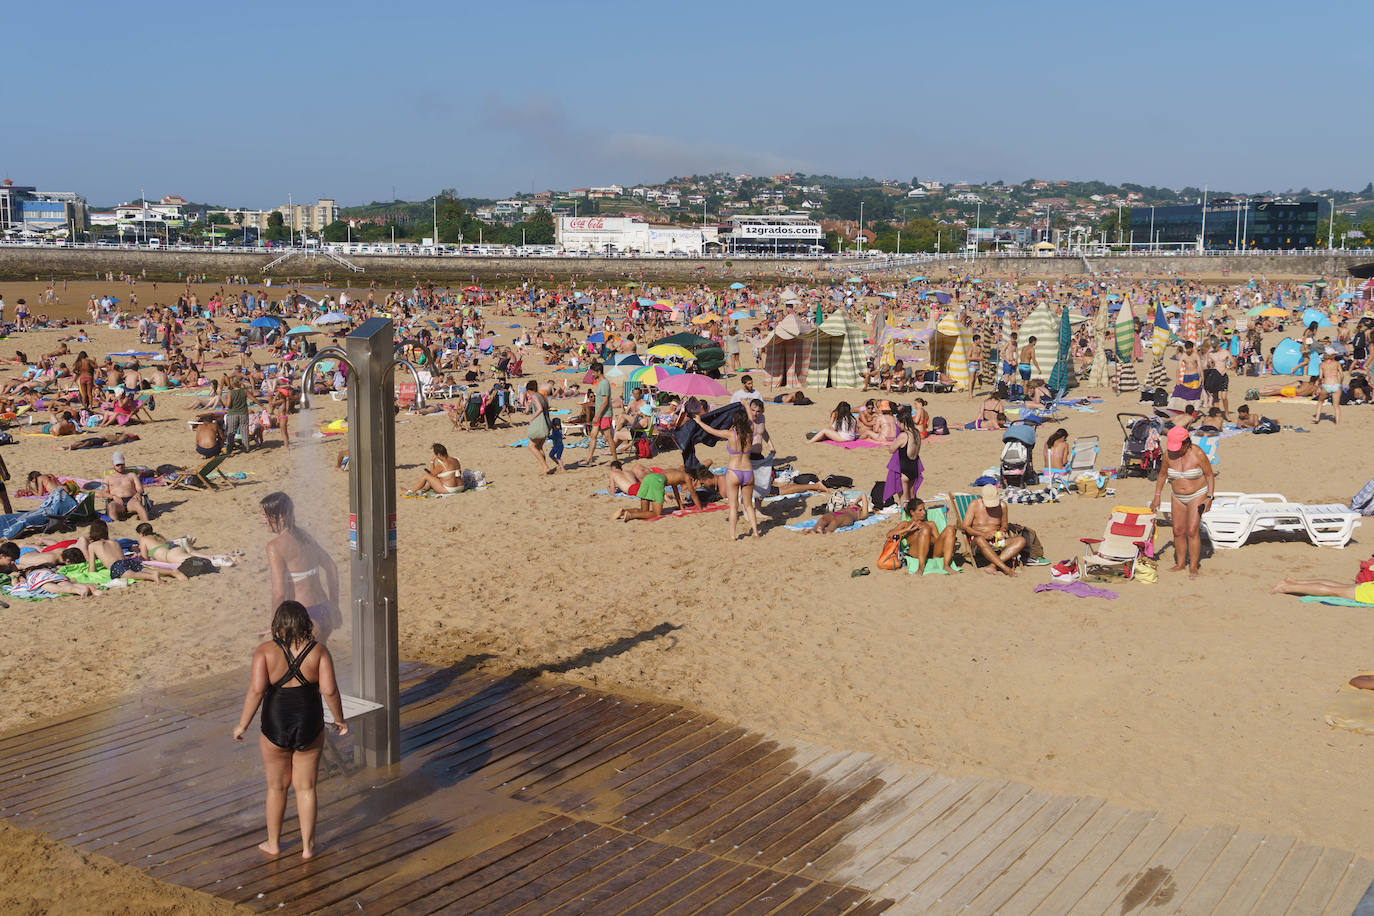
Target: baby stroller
(1016, 465)
(1140, 453)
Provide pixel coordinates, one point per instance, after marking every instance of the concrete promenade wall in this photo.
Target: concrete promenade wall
(77, 264)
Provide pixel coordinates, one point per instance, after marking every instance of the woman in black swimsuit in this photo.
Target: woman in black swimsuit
(290, 676)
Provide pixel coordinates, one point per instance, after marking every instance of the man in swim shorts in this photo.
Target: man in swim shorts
(209, 436)
(601, 415)
(1028, 360)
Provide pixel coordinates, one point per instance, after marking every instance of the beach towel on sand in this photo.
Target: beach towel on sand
(1334, 602)
(1352, 709)
(861, 523)
(857, 443)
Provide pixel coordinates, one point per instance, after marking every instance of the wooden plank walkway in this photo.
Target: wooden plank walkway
(536, 797)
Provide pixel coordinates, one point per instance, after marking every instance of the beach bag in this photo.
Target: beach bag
(1266, 426)
(1091, 487)
(1065, 571)
(644, 448)
(1161, 398)
(837, 502)
(1366, 573)
(195, 566)
(892, 556)
(939, 427)
(1146, 570)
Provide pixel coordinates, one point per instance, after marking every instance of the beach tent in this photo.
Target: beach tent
(1040, 325)
(837, 353)
(785, 353)
(949, 350)
(1311, 315)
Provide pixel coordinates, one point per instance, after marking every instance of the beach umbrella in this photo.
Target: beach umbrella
(653, 375)
(646, 302)
(472, 289)
(661, 306)
(1158, 376)
(1061, 376)
(598, 338)
(1251, 313)
(1274, 312)
(706, 318)
(1190, 325)
(627, 359)
(692, 384)
(1159, 339)
(855, 280)
(671, 351)
(739, 315)
(136, 354)
(264, 321)
(1125, 335)
(333, 318)
(301, 329)
(737, 285)
(888, 295)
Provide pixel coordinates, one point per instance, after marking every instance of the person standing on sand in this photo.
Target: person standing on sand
(601, 415)
(292, 677)
(540, 426)
(1184, 466)
(1332, 379)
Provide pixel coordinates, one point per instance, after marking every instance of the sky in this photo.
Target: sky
(245, 103)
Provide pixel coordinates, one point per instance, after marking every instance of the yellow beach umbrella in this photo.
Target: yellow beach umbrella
(1274, 312)
(668, 351)
(705, 318)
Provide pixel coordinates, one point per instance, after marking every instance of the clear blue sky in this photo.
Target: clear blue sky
(242, 103)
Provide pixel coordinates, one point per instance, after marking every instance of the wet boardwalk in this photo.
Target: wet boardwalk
(523, 796)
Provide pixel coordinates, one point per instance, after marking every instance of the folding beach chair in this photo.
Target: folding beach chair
(1129, 531)
(1082, 456)
(199, 478)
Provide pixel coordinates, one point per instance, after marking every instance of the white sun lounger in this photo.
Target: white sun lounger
(1234, 517)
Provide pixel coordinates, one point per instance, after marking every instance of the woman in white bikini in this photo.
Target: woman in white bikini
(1186, 469)
(443, 475)
(299, 567)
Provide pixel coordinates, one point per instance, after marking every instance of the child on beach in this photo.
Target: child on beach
(556, 442)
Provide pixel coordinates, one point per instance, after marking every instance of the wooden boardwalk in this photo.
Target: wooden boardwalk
(520, 796)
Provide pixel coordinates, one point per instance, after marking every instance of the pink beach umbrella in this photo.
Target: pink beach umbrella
(692, 384)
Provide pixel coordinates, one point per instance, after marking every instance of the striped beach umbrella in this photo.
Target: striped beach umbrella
(1125, 334)
(1126, 378)
(1158, 376)
(1161, 336)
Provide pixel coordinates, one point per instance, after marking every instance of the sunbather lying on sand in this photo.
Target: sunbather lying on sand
(1362, 592)
(833, 521)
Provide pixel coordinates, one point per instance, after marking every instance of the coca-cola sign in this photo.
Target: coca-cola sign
(587, 222)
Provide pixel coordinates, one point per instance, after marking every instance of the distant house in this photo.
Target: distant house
(917, 193)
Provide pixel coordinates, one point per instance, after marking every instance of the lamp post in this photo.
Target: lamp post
(370, 355)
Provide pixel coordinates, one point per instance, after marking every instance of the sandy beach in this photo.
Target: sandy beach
(1201, 697)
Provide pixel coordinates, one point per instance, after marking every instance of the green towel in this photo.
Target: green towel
(1338, 602)
(79, 572)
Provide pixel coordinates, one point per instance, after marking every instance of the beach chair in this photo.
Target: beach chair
(1082, 456)
(959, 503)
(1234, 517)
(1129, 531)
(199, 478)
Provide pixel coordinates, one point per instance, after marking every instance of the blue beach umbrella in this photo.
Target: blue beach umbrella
(739, 315)
(737, 285)
(302, 329)
(264, 321)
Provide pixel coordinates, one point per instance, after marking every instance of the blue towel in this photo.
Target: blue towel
(861, 523)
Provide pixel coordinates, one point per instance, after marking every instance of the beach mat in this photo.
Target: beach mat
(690, 510)
(1352, 709)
